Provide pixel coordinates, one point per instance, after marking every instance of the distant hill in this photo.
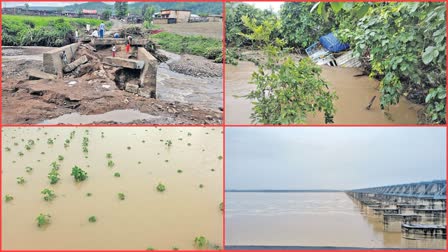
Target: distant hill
(195, 7)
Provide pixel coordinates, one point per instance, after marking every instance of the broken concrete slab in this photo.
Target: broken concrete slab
(34, 74)
(131, 88)
(84, 69)
(72, 66)
(148, 77)
(52, 61)
(144, 92)
(126, 63)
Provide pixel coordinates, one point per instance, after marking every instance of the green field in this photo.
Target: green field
(42, 31)
(197, 45)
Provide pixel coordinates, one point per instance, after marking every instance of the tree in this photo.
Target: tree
(121, 9)
(106, 14)
(27, 7)
(149, 13)
(145, 6)
(287, 91)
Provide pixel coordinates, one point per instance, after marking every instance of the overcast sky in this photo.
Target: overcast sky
(332, 158)
(267, 5)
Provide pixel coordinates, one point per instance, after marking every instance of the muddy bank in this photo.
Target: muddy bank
(145, 218)
(354, 95)
(93, 90)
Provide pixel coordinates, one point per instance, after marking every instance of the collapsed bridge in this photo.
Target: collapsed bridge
(417, 210)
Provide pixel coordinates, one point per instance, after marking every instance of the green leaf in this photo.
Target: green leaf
(336, 6)
(428, 55)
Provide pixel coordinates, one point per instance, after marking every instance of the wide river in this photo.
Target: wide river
(323, 219)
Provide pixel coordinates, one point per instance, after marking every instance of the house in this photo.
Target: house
(90, 13)
(69, 13)
(172, 16)
(214, 18)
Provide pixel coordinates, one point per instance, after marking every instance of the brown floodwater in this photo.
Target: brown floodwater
(308, 219)
(146, 218)
(354, 95)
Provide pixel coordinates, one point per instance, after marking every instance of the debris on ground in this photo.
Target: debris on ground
(196, 66)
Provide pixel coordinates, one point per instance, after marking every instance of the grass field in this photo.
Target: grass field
(42, 31)
(193, 44)
(39, 21)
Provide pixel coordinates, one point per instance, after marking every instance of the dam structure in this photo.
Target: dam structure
(417, 210)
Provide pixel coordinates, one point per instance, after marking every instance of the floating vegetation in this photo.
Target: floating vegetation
(78, 174)
(20, 180)
(109, 155)
(92, 219)
(221, 206)
(20, 153)
(201, 186)
(50, 141)
(28, 169)
(121, 196)
(129, 147)
(49, 195)
(8, 198)
(27, 147)
(149, 248)
(7, 149)
(88, 194)
(179, 171)
(220, 157)
(110, 163)
(60, 157)
(43, 220)
(117, 174)
(161, 187)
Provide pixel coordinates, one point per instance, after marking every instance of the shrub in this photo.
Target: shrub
(49, 195)
(92, 219)
(121, 196)
(200, 242)
(8, 198)
(53, 176)
(79, 174)
(160, 187)
(20, 180)
(117, 174)
(43, 220)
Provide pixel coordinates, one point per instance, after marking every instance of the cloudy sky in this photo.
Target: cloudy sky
(275, 6)
(332, 158)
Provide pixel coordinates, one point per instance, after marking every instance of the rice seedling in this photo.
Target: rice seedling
(92, 219)
(50, 141)
(109, 155)
(121, 196)
(117, 174)
(55, 166)
(110, 163)
(60, 157)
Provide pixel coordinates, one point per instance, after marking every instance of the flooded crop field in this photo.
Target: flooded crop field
(112, 188)
(319, 220)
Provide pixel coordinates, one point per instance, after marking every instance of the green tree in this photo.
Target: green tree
(121, 9)
(106, 14)
(287, 91)
(27, 7)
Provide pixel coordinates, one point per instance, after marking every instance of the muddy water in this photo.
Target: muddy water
(238, 108)
(354, 95)
(173, 86)
(119, 116)
(146, 218)
(307, 219)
